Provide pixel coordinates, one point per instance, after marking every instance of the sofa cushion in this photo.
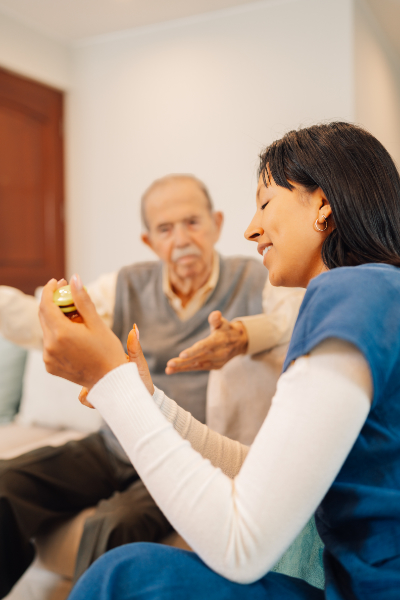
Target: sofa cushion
(51, 401)
(12, 364)
(16, 439)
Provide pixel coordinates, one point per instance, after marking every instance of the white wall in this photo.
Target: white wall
(203, 96)
(377, 81)
(34, 55)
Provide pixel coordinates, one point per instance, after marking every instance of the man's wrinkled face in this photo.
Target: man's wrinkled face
(182, 230)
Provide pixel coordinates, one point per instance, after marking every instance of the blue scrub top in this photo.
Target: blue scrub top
(359, 518)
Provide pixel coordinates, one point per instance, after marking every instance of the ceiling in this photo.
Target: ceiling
(71, 20)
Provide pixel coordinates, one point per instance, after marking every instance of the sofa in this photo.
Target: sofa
(38, 409)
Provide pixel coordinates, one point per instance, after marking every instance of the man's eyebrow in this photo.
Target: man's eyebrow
(166, 224)
(192, 217)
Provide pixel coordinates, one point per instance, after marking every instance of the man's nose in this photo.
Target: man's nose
(181, 236)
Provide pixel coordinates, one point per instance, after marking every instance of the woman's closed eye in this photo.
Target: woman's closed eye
(264, 205)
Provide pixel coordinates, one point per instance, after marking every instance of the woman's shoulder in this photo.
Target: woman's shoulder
(374, 277)
(351, 297)
(359, 305)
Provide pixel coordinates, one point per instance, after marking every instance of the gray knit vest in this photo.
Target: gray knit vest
(140, 299)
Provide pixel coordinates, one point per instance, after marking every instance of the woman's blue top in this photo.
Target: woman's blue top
(359, 518)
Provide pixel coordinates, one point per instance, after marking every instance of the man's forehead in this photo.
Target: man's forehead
(175, 200)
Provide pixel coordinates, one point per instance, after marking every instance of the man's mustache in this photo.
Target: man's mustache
(190, 250)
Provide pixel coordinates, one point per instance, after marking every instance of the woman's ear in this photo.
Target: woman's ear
(324, 208)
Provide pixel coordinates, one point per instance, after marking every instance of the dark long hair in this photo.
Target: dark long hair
(360, 181)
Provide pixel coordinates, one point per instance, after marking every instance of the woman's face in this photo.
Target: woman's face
(283, 227)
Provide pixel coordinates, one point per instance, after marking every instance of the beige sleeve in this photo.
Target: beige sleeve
(19, 318)
(102, 292)
(273, 327)
(221, 451)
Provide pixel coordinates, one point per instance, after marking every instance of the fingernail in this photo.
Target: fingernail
(60, 280)
(171, 363)
(136, 328)
(77, 282)
(183, 355)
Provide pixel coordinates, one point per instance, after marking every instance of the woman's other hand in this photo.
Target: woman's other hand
(136, 355)
(80, 352)
(226, 340)
(83, 398)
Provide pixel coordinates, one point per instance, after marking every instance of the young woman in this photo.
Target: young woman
(328, 219)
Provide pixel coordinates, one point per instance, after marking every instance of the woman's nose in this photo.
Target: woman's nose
(252, 233)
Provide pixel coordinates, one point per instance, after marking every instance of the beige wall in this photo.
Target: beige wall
(202, 96)
(377, 81)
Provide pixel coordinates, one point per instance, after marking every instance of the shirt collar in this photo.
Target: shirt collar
(199, 297)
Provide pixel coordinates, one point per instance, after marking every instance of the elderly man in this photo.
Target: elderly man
(170, 301)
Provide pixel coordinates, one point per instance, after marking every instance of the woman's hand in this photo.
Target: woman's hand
(81, 352)
(136, 355)
(225, 341)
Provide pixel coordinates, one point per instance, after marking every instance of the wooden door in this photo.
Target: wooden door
(31, 183)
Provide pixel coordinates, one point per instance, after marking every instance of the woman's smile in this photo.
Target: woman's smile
(263, 248)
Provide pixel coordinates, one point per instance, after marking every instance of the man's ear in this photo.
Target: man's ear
(218, 217)
(145, 237)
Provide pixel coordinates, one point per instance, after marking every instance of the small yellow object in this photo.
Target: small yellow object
(63, 298)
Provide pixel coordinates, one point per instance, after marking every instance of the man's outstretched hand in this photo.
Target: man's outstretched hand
(81, 352)
(226, 340)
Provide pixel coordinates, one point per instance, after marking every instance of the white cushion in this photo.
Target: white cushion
(12, 364)
(51, 401)
(239, 395)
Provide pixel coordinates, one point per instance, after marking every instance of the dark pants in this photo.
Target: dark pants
(42, 487)
(154, 572)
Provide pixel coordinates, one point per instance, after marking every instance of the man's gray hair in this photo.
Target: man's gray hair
(165, 180)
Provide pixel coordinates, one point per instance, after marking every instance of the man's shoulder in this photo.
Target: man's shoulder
(140, 272)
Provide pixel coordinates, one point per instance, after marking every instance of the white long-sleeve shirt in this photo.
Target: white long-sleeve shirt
(19, 321)
(240, 527)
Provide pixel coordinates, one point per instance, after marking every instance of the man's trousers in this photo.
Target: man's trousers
(48, 485)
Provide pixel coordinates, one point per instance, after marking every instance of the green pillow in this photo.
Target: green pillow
(12, 365)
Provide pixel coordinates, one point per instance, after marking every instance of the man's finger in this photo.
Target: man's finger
(199, 348)
(215, 320)
(83, 302)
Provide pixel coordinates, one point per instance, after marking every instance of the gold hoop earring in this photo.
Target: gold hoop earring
(316, 224)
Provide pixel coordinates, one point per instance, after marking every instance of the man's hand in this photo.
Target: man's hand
(81, 352)
(225, 341)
